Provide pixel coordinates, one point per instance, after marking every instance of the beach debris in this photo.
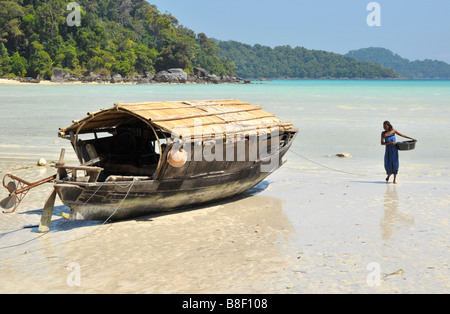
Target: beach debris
(343, 155)
(65, 215)
(42, 162)
(395, 273)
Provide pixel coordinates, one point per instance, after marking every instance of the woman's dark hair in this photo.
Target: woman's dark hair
(388, 124)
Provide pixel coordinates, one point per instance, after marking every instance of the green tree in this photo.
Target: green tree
(206, 58)
(125, 55)
(50, 18)
(177, 55)
(5, 61)
(18, 65)
(145, 58)
(40, 63)
(68, 57)
(10, 17)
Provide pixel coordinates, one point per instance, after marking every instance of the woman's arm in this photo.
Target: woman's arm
(405, 136)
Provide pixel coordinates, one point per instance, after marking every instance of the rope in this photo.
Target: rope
(333, 169)
(120, 204)
(17, 228)
(106, 220)
(90, 197)
(11, 229)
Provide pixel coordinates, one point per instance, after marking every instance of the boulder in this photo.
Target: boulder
(149, 75)
(213, 78)
(171, 76)
(161, 76)
(131, 79)
(144, 80)
(103, 79)
(229, 79)
(116, 78)
(59, 75)
(199, 72)
(92, 77)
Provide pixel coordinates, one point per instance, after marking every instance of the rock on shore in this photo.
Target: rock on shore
(174, 75)
(171, 76)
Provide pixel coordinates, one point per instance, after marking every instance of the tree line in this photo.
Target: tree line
(286, 62)
(426, 69)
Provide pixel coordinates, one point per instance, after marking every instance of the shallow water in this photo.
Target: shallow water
(315, 225)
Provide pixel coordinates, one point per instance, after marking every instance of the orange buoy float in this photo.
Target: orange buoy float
(177, 157)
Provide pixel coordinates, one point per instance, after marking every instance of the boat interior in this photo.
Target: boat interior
(123, 152)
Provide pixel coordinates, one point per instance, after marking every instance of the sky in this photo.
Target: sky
(414, 29)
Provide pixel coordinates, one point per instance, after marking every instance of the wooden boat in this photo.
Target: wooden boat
(140, 158)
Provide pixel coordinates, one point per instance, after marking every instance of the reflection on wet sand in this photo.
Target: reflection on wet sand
(393, 219)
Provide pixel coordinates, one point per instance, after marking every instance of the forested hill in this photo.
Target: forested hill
(128, 37)
(287, 62)
(427, 69)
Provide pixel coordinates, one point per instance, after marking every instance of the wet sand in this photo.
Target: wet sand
(306, 229)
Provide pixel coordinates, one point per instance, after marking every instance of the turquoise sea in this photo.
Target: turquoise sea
(330, 218)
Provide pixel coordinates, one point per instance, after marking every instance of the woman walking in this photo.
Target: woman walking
(391, 163)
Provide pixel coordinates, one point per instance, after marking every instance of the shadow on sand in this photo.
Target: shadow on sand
(63, 224)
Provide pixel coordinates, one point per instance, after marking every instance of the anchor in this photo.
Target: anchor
(19, 188)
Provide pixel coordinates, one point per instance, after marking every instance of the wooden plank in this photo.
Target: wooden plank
(47, 213)
(244, 119)
(179, 104)
(172, 118)
(80, 167)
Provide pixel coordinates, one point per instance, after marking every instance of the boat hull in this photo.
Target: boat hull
(137, 198)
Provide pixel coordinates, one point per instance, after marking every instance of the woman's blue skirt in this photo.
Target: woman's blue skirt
(391, 156)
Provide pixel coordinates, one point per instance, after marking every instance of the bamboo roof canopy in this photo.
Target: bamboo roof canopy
(189, 120)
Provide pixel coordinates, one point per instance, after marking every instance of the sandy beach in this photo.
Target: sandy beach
(50, 83)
